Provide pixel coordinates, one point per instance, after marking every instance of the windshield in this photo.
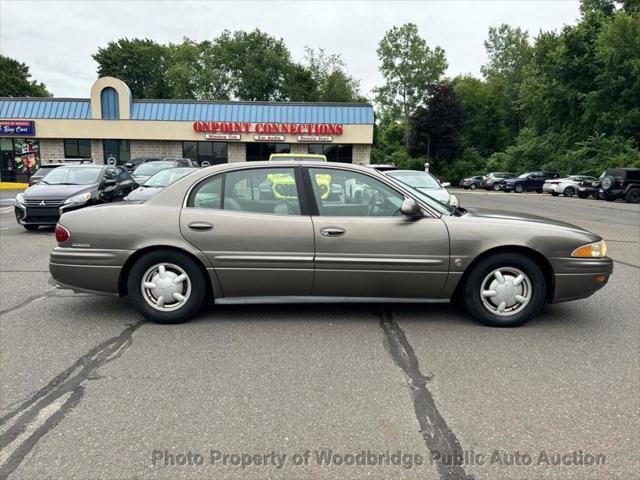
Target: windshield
(524, 175)
(73, 176)
(167, 177)
(432, 202)
(151, 168)
(416, 179)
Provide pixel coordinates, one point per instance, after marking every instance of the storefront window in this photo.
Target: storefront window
(77, 148)
(333, 152)
(19, 158)
(257, 152)
(213, 153)
(116, 151)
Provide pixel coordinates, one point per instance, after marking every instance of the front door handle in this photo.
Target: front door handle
(200, 226)
(332, 232)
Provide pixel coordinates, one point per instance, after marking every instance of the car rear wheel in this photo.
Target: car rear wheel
(31, 227)
(505, 290)
(518, 188)
(167, 287)
(569, 192)
(632, 196)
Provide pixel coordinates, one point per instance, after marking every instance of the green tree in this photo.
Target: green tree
(434, 128)
(257, 64)
(15, 80)
(408, 65)
(332, 81)
(140, 63)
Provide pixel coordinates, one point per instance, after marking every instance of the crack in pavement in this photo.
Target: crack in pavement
(28, 300)
(437, 436)
(46, 408)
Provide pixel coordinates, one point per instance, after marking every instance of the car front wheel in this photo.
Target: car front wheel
(167, 287)
(505, 290)
(473, 186)
(518, 189)
(496, 187)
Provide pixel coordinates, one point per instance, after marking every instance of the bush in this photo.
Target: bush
(471, 163)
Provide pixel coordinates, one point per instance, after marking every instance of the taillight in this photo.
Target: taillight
(62, 234)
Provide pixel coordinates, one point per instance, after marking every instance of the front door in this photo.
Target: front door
(366, 248)
(251, 226)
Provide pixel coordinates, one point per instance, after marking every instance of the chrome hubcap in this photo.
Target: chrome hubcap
(166, 287)
(505, 291)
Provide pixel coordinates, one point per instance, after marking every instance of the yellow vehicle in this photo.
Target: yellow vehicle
(283, 184)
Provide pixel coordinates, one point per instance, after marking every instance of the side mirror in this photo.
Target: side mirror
(109, 182)
(410, 208)
(446, 184)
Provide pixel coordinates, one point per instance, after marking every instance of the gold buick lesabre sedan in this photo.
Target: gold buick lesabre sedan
(231, 234)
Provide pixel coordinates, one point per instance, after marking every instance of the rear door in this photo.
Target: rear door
(254, 229)
(365, 247)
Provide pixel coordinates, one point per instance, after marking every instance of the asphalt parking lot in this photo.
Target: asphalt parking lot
(89, 390)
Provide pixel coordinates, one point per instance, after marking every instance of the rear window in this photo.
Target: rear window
(617, 174)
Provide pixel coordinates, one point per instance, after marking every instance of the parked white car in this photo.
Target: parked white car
(567, 186)
(426, 183)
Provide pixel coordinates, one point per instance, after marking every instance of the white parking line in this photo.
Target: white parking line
(7, 228)
(6, 210)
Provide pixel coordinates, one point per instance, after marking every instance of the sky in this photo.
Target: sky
(57, 38)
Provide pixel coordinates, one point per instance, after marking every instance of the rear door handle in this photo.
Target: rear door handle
(200, 226)
(332, 232)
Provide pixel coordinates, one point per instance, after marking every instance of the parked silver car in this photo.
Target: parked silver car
(567, 186)
(281, 232)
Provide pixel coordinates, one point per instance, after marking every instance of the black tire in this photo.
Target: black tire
(569, 192)
(632, 196)
(473, 186)
(554, 194)
(609, 198)
(495, 187)
(583, 195)
(472, 297)
(518, 188)
(539, 190)
(31, 227)
(194, 303)
(465, 187)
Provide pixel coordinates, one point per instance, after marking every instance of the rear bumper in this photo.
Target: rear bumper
(88, 270)
(551, 188)
(577, 278)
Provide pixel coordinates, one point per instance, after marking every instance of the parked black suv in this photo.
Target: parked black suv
(70, 187)
(527, 182)
(621, 183)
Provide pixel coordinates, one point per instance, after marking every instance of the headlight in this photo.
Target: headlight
(20, 199)
(82, 198)
(453, 201)
(591, 250)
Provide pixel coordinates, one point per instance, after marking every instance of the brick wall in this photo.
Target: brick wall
(299, 148)
(236, 152)
(97, 151)
(362, 154)
(155, 148)
(51, 150)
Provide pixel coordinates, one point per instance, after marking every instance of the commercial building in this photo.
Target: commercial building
(113, 127)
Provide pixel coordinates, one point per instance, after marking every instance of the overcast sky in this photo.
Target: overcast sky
(56, 38)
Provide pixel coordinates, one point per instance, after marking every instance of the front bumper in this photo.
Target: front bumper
(577, 278)
(88, 270)
(42, 215)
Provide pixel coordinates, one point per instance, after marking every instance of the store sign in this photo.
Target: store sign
(11, 128)
(269, 138)
(222, 136)
(315, 138)
(269, 128)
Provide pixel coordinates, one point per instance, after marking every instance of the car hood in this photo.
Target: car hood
(44, 191)
(142, 193)
(440, 194)
(140, 179)
(519, 217)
